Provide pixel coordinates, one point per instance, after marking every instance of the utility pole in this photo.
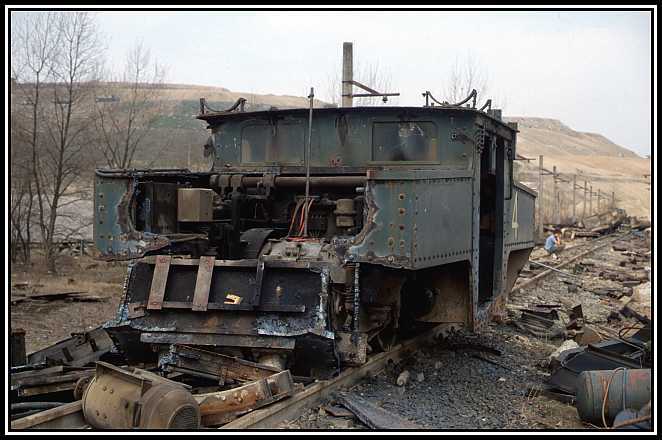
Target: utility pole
(613, 199)
(347, 73)
(574, 198)
(556, 197)
(590, 201)
(540, 196)
(584, 208)
(599, 197)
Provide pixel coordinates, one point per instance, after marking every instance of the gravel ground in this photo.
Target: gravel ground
(458, 391)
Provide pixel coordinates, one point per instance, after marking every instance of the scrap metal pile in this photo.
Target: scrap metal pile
(600, 224)
(83, 382)
(605, 372)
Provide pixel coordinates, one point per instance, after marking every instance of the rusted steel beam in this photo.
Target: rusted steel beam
(216, 339)
(203, 283)
(46, 389)
(159, 280)
(372, 415)
(245, 263)
(37, 380)
(217, 366)
(220, 407)
(283, 308)
(68, 416)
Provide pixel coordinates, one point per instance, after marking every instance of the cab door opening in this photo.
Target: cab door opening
(490, 240)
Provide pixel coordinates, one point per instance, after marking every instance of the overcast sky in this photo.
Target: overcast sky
(592, 70)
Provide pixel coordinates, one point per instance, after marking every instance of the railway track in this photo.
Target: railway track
(570, 256)
(314, 393)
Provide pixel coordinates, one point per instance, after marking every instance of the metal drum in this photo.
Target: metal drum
(629, 388)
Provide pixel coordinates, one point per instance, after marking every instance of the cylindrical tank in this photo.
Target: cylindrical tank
(119, 399)
(630, 388)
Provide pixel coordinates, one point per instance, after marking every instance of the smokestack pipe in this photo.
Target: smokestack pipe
(347, 73)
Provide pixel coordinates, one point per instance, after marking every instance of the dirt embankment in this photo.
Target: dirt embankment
(606, 166)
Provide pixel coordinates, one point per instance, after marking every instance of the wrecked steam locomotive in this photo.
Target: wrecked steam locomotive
(412, 216)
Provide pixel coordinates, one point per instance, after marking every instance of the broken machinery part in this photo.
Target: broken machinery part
(121, 399)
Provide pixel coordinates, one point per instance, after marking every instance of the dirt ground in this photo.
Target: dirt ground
(48, 321)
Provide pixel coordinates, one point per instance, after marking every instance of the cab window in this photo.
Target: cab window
(264, 143)
(404, 141)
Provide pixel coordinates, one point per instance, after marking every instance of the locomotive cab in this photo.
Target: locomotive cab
(412, 219)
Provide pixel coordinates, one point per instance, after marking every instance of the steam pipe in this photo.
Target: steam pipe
(308, 148)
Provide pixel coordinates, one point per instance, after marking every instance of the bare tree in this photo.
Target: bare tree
(35, 41)
(21, 192)
(124, 119)
(372, 75)
(465, 75)
(62, 53)
(469, 73)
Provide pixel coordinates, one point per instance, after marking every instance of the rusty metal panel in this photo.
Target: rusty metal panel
(114, 235)
(419, 220)
(194, 205)
(120, 233)
(443, 218)
(159, 280)
(77, 350)
(389, 240)
(203, 283)
(519, 220)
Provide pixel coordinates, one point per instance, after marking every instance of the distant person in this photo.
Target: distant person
(553, 244)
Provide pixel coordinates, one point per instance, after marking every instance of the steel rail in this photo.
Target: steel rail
(518, 288)
(270, 417)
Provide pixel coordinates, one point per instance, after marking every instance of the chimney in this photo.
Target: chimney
(347, 73)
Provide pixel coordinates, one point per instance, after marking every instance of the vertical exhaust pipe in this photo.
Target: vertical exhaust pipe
(347, 73)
